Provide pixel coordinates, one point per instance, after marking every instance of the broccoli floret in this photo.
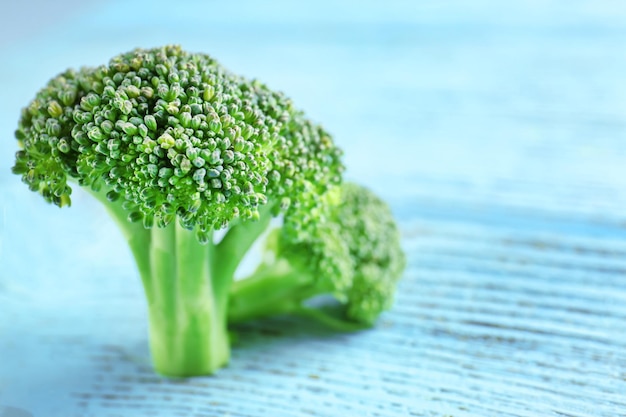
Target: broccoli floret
(177, 147)
(353, 254)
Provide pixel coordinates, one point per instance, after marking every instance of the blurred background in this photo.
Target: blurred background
(494, 129)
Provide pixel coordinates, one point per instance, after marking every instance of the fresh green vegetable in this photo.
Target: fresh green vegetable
(176, 147)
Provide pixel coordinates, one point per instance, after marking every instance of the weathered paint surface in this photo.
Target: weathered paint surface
(496, 131)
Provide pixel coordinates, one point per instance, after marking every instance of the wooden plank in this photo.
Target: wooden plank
(493, 129)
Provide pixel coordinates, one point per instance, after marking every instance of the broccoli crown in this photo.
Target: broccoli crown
(171, 133)
(355, 253)
(374, 242)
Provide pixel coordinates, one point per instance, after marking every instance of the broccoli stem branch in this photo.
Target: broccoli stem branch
(188, 334)
(270, 290)
(188, 286)
(186, 291)
(277, 289)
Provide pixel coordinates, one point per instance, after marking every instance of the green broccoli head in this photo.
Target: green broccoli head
(175, 147)
(173, 134)
(354, 254)
(167, 138)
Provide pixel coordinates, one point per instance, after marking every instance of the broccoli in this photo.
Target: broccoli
(176, 148)
(353, 254)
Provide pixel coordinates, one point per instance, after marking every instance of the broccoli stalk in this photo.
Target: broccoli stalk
(176, 147)
(354, 255)
(186, 284)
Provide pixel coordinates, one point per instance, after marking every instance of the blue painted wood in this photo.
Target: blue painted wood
(495, 130)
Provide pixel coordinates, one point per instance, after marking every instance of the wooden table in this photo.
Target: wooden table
(496, 132)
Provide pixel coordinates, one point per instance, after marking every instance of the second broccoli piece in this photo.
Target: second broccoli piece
(353, 254)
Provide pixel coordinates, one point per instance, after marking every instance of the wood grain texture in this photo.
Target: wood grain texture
(495, 130)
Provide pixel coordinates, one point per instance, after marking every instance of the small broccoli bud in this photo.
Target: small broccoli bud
(352, 253)
(373, 238)
(355, 254)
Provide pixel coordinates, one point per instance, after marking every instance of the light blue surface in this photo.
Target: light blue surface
(496, 131)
